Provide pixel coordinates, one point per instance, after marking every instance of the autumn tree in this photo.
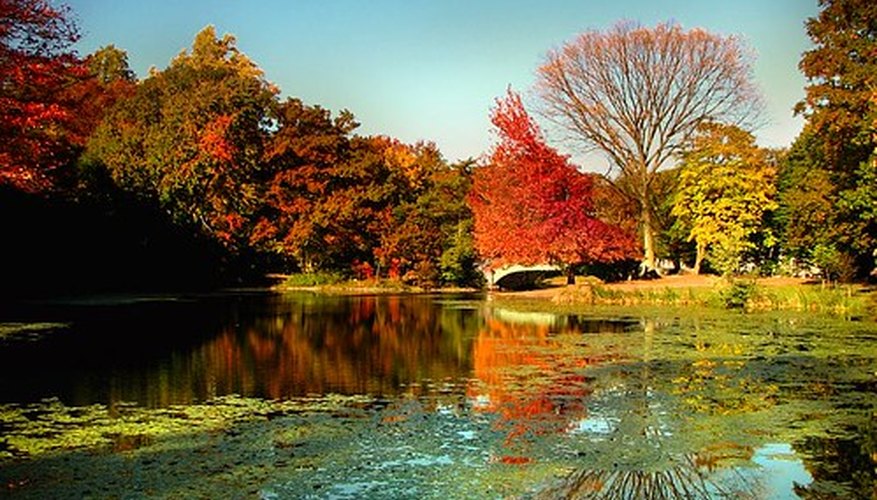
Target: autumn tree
(361, 206)
(429, 236)
(107, 80)
(726, 184)
(531, 206)
(299, 175)
(637, 94)
(828, 190)
(37, 64)
(190, 139)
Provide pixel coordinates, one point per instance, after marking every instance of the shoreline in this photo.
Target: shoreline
(701, 291)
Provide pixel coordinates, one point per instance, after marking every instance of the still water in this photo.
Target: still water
(312, 396)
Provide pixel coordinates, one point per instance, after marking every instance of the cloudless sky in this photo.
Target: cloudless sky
(431, 69)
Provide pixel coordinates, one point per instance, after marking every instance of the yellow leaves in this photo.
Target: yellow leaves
(726, 184)
(412, 162)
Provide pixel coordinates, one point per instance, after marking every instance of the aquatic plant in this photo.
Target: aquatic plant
(32, 430)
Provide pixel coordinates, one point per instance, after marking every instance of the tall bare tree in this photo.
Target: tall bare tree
(637, 94)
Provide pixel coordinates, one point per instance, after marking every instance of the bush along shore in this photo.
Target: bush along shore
(332, 283)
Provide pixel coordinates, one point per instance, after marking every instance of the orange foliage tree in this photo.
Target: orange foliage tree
(532, 206)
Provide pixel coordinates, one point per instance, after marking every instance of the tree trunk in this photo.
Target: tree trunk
(648, 240)
(570, 275)
(701, 251)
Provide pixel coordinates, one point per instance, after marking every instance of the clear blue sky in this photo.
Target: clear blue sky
(430, 69)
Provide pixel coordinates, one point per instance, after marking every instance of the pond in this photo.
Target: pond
(418, 396)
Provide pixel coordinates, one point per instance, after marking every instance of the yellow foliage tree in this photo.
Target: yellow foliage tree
(726, 184)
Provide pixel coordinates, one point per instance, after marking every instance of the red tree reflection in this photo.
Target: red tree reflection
(530, 379)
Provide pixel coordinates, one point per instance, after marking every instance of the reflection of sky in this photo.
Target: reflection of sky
(781, 470)
(594, 425)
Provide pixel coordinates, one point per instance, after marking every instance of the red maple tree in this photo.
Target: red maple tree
(37, 65)
(532, 206)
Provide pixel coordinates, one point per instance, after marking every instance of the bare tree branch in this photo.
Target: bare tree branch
(637, 94)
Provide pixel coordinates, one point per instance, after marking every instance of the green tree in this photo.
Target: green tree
(190, 139)
(109, 64)
(108, 80)
(726, 184)
(836, 151)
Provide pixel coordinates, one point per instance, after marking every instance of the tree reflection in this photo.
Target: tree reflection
(367, 344)
(289, 346)
(842, 467)
(687, 478)
(530, 377)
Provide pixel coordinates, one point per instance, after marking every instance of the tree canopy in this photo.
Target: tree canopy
(531, 206)
(827, 181)
(205, 159)
(190, 137)
(638, 94)
(37, 65)
(726, 184)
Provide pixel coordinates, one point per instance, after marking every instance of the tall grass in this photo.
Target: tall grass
(741, 294)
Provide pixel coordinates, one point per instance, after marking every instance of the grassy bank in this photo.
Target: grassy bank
(766, 294)
(335, 284)
(739, 294)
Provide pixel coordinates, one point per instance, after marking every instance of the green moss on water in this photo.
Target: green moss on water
(29, 331)
(32, 430)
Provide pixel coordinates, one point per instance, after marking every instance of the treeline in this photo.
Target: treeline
(673, 109)
(201, 175)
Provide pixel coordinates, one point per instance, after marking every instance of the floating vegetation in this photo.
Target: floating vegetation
(32, 430)
(28, 331)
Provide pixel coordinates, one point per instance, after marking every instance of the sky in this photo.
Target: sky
(431, 69)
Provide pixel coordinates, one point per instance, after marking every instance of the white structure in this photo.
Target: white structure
(497, 274)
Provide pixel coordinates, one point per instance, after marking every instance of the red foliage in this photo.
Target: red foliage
(532, 206)
(36, 66)
(214, 141)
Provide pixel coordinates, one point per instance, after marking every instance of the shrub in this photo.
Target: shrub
(738, 294)
(312, 279)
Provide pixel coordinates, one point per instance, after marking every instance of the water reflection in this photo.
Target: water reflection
(260, 346)
(648, 406)
(686, 479)
(365, 345)
(530, 378)
(680, 408)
